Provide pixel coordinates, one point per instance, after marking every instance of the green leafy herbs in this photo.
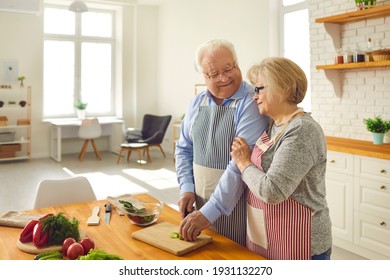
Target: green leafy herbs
(129, 207)
(99, 254)
(138, 215)
(60, 228)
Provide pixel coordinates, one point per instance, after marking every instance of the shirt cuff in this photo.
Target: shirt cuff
(210, 212)
(187, 187)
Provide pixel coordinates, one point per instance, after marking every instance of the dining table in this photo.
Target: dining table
(116, 236)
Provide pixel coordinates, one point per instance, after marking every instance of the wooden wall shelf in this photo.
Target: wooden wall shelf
(357, 65)
(375, 12)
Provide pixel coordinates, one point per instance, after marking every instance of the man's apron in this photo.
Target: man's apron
(213, 133)
(277, 231)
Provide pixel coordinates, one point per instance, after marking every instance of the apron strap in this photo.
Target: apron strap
(296, 113)
(232, 105)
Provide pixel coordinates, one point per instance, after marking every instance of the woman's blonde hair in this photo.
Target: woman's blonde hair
(282, 76)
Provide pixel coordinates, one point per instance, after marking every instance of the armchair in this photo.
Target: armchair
(152, 132)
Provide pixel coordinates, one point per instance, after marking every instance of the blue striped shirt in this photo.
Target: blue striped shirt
(248, 123)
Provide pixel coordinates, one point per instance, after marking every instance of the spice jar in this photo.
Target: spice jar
(338, 58)
(358, 55)
(347, 56)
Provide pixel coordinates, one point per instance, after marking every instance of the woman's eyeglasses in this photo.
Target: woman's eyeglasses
(258, 89)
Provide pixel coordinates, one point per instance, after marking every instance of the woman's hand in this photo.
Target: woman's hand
(241, 153)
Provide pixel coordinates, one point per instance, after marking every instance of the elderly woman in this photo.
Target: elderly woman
(287, 212)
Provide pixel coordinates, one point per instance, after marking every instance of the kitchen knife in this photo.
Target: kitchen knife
(107, 213)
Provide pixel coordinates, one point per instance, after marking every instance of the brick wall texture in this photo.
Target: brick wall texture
(341, 99)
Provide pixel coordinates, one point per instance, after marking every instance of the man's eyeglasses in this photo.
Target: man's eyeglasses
(258, 89)
(216, 77)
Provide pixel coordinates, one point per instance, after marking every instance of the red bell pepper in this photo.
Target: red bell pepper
(40, 237)
(45, 216)
(27, 233)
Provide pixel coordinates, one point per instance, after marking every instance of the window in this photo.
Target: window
(79, 56)
(296, 40)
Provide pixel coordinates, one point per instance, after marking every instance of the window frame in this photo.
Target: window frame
(78, 39)
(283, 10)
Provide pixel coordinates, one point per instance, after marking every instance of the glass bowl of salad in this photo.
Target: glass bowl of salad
(143, 213)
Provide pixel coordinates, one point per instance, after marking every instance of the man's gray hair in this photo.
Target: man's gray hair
(210, 46)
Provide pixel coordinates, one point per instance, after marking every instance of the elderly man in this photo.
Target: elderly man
(206, 174)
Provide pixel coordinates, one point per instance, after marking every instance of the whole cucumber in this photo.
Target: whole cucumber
(48, 255)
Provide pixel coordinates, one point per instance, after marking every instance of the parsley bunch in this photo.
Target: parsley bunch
(60, 228)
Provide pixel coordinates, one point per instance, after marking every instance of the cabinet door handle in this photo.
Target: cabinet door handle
(383, 171)
(332, 161)
(383, 188)
(382, 223)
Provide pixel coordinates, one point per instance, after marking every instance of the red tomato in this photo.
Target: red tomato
(87, 244)
(65, 245)
(74, 251)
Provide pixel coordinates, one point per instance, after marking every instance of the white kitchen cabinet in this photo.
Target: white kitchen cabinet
(372, 234)
(372, 204)
(358, 194)
(372, 168)
(339, 193)
(15, 124)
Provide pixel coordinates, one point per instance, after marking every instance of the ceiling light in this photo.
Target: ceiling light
(78, 7)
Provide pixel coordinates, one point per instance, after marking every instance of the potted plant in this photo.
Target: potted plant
(378, 127)
(80, 106)
(21, 79)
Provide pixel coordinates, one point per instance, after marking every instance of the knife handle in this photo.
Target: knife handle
(95, 211)
(108, 207)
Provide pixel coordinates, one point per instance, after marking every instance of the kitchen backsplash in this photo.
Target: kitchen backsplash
(363, 92)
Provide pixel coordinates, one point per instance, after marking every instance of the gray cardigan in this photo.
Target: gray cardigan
(295, 167)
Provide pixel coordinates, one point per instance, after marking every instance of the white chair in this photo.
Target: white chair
(53, 192)
(90, 129)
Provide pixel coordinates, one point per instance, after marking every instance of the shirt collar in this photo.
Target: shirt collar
(237, 95)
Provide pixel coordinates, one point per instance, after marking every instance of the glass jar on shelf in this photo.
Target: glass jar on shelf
(358, 55)
(348, 57)
(338, 57)
(369, 50)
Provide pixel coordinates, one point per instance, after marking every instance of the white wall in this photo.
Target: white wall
(21, 40)
(185, 24)
(364, 92)
(158, 52)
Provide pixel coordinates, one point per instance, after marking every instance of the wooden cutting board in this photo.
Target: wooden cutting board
(158, 236)
(30, 248)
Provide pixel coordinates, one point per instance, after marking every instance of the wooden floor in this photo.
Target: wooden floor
(18, 180)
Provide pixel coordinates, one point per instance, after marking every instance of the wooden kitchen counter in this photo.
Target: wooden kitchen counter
(115, 237)
(358, 147)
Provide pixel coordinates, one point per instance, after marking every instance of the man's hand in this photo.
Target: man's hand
(192, 225)
(186, 203)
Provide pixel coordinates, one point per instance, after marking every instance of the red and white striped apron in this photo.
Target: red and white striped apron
(277, 231)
